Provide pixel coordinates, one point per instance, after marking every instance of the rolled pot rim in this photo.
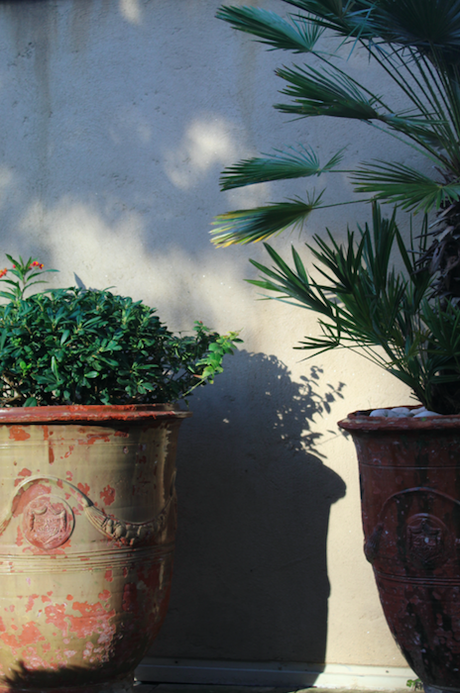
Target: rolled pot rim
(91, 413)
(361, 421)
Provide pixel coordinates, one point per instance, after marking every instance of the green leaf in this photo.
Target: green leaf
(251, 225)
(327, 94)
(281, 166)
(299, 36)
(403, 185)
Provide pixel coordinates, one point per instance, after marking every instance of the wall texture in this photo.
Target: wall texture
(117, 116)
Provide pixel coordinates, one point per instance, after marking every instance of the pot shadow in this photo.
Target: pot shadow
(250, 580)
(64, 679)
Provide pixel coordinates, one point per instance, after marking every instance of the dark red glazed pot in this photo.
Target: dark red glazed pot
(410, 492)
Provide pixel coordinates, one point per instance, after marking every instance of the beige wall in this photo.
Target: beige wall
(116, 118)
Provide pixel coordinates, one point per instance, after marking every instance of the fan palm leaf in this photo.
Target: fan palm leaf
(417, 43)
(403, 185)
(281, 165)
(299, 36)
(258, 224)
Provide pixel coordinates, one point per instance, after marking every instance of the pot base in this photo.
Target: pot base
(125, 685)
(437, 689)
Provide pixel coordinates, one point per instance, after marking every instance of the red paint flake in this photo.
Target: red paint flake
(59, 483)
(109, 575)
(19, 537)
(30, 634)
(121, 434)
(45, 598)
(94, 619)
(108, 495)
(46, 432)
(69, 597)
(18, 433)
(104, 595)
(84, 488)
(69, 451)
(56, 615)
(130, 598)
(32, 661)
(50, 455)
(91, 438)
(11, 641)
(2, 626)
(30, 602)
(69, 476)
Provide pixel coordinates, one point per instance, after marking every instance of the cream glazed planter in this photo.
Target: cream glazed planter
(87, 525)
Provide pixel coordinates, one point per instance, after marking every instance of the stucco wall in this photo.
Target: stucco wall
(116, 118)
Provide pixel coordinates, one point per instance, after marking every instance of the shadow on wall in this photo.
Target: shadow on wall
(251, 577)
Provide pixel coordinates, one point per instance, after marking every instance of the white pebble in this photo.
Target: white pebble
(400, 411)
(425, 412)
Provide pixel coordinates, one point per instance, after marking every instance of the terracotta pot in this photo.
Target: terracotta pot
(410, 489)
(87, 523)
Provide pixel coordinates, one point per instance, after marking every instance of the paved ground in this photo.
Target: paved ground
(186, 688)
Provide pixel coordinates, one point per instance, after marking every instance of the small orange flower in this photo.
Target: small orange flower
(3, 272)
(36, 264)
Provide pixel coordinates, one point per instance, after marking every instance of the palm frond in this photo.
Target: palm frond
(405, 186)
(324, 93)
(293, 285)
(258, 224)
(281, 165)
(424, 24)
(348, 19)
(426, 130)
(361, 299)
(299, 36)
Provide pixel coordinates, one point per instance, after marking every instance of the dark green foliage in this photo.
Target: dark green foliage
(76, 346)
(416, 43)
(364, 303)
(408, 323)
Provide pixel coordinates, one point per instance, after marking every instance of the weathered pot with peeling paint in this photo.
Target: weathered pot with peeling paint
(410, 491)
(87, 523)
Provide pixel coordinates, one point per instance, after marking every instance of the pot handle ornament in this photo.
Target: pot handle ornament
(134, 534)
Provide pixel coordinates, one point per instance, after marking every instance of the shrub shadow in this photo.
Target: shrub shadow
(251, 579)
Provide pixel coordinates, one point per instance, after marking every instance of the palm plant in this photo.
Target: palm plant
(413, 316)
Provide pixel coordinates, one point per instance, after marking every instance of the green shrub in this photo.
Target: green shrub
(78, 346)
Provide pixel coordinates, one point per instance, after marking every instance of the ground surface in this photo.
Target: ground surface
(187, 688)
